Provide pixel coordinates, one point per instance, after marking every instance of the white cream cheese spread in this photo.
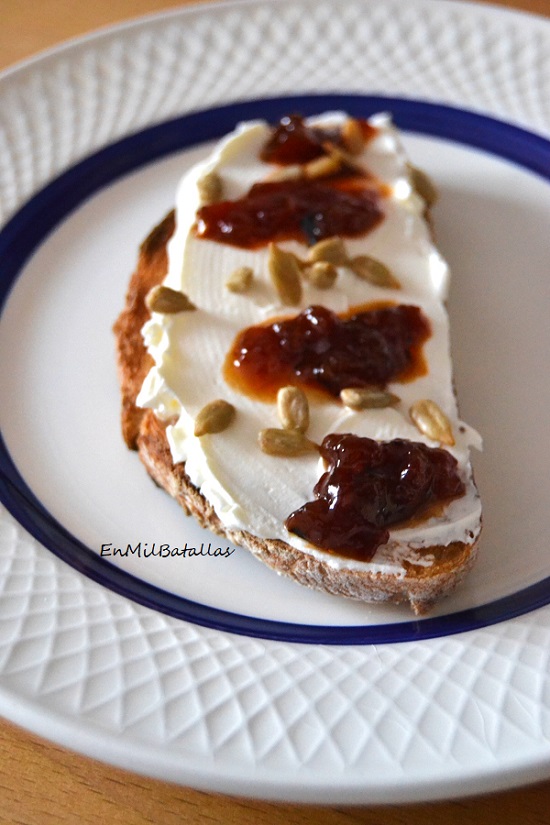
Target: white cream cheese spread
(249, 489)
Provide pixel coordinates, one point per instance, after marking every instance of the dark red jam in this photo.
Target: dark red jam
(321, 350)
(303, 210)
(369, 486)
(346, 203)
(292, 141)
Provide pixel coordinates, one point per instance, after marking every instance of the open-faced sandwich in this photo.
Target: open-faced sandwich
(285, 363)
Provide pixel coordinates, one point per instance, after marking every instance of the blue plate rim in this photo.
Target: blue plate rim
(39, 216)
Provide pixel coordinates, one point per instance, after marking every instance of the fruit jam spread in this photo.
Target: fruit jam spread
(292, 141)
(369, 486)
(346, 202)
(321, 350)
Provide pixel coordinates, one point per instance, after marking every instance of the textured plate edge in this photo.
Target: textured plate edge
(500, 11)
(477, 7)
(160, 764)
(40, 523)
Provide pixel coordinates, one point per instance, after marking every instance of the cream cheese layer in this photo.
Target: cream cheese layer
(251, 490)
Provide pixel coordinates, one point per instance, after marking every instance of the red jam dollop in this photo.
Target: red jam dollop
(345, 203)
(321, 350)
(303, 210)
(369, 486)
(292, 141)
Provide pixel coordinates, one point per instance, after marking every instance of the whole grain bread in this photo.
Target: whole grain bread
(421, 585)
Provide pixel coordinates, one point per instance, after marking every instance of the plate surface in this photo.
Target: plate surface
(314, 698)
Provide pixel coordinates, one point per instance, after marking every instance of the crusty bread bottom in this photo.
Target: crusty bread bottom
(421, 586)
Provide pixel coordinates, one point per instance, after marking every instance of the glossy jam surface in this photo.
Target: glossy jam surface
(292, 141)
(369, 486)
(346, 202)
(303, 210)
(320, 350)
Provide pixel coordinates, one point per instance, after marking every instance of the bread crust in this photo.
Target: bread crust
(133, 360)
(419, 585)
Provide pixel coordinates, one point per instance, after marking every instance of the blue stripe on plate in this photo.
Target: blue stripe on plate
(31, 225)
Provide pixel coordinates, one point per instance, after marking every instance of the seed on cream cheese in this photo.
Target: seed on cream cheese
(321, 274)
(240, 279)
(331, 250)
(168, 301)
(423, 185)
(293, 409)
(285, 443)
(214, 417)
(358, 398)
(432, 421)
(352, 136)
(285, 275)
(210, 188)
(322, 167)
(374, 271)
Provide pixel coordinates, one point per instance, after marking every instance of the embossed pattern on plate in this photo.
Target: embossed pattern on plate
(91, 670)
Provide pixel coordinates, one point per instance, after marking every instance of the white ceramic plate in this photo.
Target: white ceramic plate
(211, 671)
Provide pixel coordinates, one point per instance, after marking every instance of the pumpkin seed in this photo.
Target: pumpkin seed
(374, 271)
(240, 280)
(293, 409)
(288, 443)
(214, 417)
(284, 269)
(430, 420)
(164, 299)
(357, 398)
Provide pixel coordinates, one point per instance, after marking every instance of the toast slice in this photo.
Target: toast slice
(413, 565)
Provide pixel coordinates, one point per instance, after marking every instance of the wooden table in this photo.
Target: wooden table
(42, 784)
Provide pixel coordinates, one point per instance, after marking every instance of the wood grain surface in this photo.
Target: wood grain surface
(43, 784)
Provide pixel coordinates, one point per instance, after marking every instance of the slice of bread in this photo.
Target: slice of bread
(420, 585)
